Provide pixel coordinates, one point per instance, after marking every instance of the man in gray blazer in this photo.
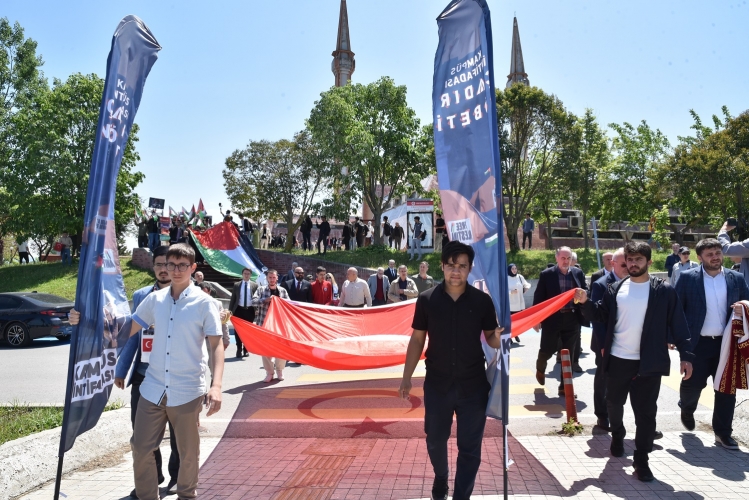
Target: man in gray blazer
(735, 249)
(378, 287)
(707, 294)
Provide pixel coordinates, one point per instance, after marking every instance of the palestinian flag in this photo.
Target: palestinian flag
(201, 210)
(138, 213)
(229, 252)
(172, 212)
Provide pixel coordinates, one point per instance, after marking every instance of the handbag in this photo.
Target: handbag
(423, 236)
(58, 247)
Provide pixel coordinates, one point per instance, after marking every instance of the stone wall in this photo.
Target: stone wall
(282, 263)
(142, 258)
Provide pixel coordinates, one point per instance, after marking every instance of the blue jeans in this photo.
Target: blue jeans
(415, 246)
(65, 256)
(153, 241)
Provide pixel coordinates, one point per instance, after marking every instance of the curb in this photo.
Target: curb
(31, 461)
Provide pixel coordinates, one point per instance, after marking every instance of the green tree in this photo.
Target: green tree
(630, 180)
(20, 79)
(737, 130)
(588, 161)
(278, 180)
(375, 138)
(533, 133)
(51, 162)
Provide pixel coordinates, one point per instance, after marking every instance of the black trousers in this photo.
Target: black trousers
(567, 333)
(622, 380)
(347, 242)
(173, 466)
(470, 411)
(322, 240)
(306, 241)
(247, 315)
(704, 366)
(599, 389)
(528, 235)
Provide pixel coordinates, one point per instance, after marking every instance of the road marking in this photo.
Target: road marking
(707, 398)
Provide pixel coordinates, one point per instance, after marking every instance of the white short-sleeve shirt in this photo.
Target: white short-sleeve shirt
(179, 359)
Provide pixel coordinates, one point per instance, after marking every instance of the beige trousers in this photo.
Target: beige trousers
(264, 243)
(150, 421)
(279, 364)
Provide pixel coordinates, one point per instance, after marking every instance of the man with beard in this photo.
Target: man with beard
(131, 355)
(642, 315)
(708, 295)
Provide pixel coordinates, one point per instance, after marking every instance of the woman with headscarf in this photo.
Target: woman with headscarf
(517, 287)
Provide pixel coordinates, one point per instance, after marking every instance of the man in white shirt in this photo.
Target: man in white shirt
(642, 315)
(174, 387)
(708, 294)
(355, 291)
(391, 272)
(241, 306)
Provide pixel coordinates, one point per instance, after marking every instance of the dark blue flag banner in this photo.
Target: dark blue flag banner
(467, 150)
(100, 293)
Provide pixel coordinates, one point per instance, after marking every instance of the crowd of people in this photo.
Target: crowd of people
(635, 316)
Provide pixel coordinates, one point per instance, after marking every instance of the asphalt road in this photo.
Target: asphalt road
(313, 402)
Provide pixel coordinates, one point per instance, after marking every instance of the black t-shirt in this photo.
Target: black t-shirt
(153, 225)
(454, 329)
(387, 229)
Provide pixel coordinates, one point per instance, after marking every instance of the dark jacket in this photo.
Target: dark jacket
(548, 287)
(597, 290)
(597, 276)
(235, 291)
(391, 274)
(324, 228)
(303, 295)
(664, 323)
(672, 259)
(691, 294)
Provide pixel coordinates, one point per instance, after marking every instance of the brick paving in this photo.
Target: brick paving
(686, 466)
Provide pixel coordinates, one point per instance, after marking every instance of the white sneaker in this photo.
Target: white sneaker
(279, 374)
(268, 378)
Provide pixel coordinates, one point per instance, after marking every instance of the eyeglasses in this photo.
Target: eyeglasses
(160, 265)
(171, 266)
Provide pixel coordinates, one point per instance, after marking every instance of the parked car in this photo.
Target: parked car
(25, 316)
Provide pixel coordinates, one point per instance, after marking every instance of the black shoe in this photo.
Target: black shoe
(688, 420)
(133, 494)
(577, 368)
(658, 435)
(643, 473)
(617, 447)
(439, 489)
(603, 423)
(726, 442)
(517, 339)
(245, 353)
(239, 353)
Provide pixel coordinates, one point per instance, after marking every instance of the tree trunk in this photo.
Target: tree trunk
(586, 242)
(549, 237)
(377, 215)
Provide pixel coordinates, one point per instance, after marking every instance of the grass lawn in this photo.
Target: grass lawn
(19, 420)
(56, 279)
(530, 262)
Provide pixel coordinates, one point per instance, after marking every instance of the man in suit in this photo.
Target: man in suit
(240, 305)
(707, 294)
(565, 324)
(391, 272)
(379, 287)
(299, 289)
(607, 268)
(618, 271)
(672, 259)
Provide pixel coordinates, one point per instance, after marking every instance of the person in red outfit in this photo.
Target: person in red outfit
(322, 291)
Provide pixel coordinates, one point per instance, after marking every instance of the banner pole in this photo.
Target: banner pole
(58, 478)
(595, 238)
(505, 458)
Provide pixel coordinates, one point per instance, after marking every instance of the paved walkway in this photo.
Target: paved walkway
(686, 465)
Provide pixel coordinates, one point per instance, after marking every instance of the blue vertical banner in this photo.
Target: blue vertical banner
(466, 145)
(100, 294)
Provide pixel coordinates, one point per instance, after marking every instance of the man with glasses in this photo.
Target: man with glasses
(261, 301)
(174, 387)
(453, 315)
(241, 306)
(132, 355)
(299, 289)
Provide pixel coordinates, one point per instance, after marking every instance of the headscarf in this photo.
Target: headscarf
(509, 270)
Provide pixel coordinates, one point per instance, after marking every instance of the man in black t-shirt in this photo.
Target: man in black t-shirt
(455, 381)
(387, 231)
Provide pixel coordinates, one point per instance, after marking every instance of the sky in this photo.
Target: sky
(235, 71)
